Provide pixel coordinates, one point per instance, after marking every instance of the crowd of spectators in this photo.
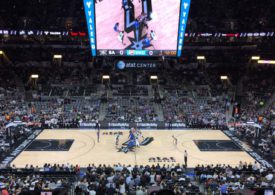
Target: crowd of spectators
(257, 107)
(244, 178)
(172, 179)
(125, 109)
(189, 97)
(129, 90)
(258, 86)
(10, 139)
(55, 179)
(195, 112)
(261, 139)
(136, 180)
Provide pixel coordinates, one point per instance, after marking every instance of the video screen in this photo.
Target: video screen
(137, 27)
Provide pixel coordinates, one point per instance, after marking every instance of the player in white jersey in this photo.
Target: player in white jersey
(138, 134)
(117, 139)
(121, 37)
(137, 142)
(175, 140)
(153, 35)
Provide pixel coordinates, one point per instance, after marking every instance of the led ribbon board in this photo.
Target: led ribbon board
(89, 7)
(184, 11)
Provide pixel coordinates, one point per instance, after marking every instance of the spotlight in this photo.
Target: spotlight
(255, 58)
(57, 56)
(266, 61)
(34, 76)
(224, 77)
(153, 77)
(200, 57)
(105, 77)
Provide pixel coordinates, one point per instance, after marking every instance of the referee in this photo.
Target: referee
(185, 158)
(97, 126)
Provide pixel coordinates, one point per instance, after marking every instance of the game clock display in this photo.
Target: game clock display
(136, 27)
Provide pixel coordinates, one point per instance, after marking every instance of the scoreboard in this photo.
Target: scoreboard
(136, 27)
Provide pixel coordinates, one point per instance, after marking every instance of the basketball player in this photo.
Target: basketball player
(121, 37)
(136, 24)
(98, 134)
(147, 42)
(137, 142)
(153, 35)
(175, 140)
(97, 125)
(131, 134)
(124, 4)
(117, 139)
(139, 134)
(116, 27)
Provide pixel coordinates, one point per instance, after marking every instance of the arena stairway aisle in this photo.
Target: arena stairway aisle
(158, 109)
(150, 92)
(228, 114)
(102, 111)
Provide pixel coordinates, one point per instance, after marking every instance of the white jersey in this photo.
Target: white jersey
(120, 36)
(137, 142)
(139, 134)
(117, 137)
(153, 35)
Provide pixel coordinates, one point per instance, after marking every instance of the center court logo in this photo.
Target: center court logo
(121, 65)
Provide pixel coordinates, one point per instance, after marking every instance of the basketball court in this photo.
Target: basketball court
(82, 147)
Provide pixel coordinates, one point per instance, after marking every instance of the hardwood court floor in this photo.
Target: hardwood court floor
(85, 149)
